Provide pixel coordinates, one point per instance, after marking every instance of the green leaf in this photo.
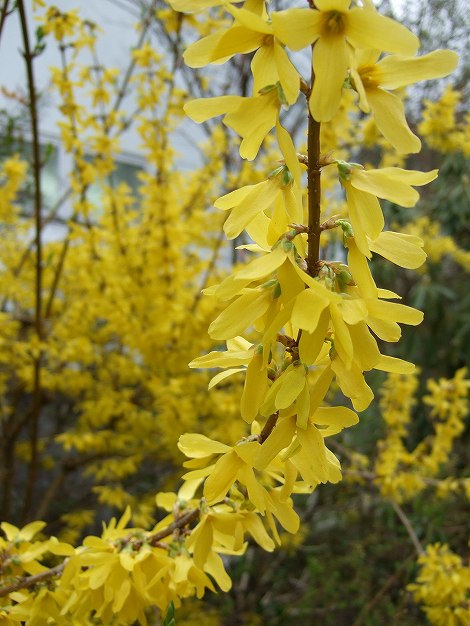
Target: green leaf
(170, 616)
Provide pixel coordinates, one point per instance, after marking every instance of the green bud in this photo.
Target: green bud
(277, 171)
(281, 95)
(346, 228)
(286, 178)
(266, 89)
(344, 168)
(344, 279)
(269, 283)
(287, 245)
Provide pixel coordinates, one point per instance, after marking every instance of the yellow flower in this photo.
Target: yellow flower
(364, 186)
(252, 118)
(373, 80)
(249, 201)
(332, 27)
(270, 64)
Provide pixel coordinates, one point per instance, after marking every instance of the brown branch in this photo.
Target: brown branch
(4, 14)
(36, 162)
(409, 528)
(31, 581)
(391, 580)
(146, 23)
(314, 194)
(268, 427)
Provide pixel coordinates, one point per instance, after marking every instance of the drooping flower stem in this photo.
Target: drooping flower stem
(314, 195)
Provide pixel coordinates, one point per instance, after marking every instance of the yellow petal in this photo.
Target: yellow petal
(220, 46)
(384, 329)
(308, 307)
(252, 120)
(399, 248)
(302, 406)
(320, 388)
(360, 271)
(366, 351)
(222, 477)
(342, 339)
(330, 64)
(335, 416)
(359, 87)
(310, 344)
(259, 199)
(353, 310)
(263, 67)
(317, 287)
(262, 266)
(296, 28)
(292, 385)
(253, 524)
(290, 156)
(215, 567)
(201, 538)
(367, 29)
(393, 71)
(391, 183)
(313, 454)
(249, 20)
(364, 211)
(389, 115)
(222, 359)
(333, 5)
(234, 198)
(288, 75)
(257, 229)
(280, 437)
(394, 312)
(352, 384)
(254, 390)
(240, 314)
(256, 492)
(291, 283)
(290, 476)
(203, 109)
(279, 320)
(218, 378)
(394, 365)
(199, 446)
(284, 512)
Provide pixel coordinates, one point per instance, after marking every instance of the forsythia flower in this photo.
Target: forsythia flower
(443, 586)
(270, 64)
(332, 27)
(374, 79)
(252, 118)
(364, 186)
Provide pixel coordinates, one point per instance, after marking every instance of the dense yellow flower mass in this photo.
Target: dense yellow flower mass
(294, 323)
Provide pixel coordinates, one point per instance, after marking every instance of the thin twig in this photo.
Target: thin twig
(391, 580)
(4, 14)
(37, 392)
(31, 581)
(409, 528)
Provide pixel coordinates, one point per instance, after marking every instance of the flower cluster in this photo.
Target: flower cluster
(443, 586)
(402, 473)
(291, 325)
(307, 321)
